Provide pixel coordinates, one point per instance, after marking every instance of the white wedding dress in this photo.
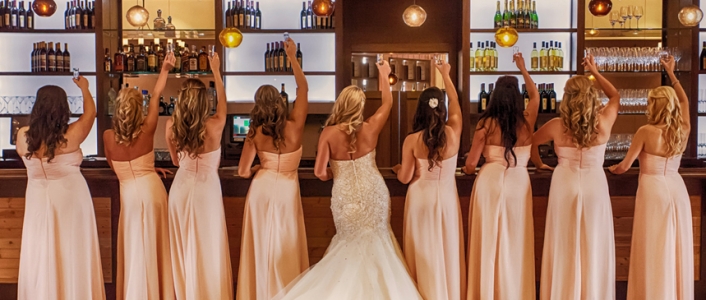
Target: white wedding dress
(363, 260)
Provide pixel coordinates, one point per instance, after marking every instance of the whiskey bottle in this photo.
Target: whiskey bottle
(159, 23)
(161, 54)
(185, 64)
(141, 60)
(203, 60)
(67, 58)
(300, 56)
(51, 58)
(282, 58)
(59, 58)
(130, 67)
(119, 61)
(151, 59)
(30, 17)
(107, 62)
(193, 60)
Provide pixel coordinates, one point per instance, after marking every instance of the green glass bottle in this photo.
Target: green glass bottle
(498, 17)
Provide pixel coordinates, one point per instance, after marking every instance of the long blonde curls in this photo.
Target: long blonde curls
(663, 108)
(347, 113)
(270, 114)
(579, 111)
(190, 115)
(129, 117)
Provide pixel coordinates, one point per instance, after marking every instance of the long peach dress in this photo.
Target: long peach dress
(578, 261)
(144, 260)
(662, 251)
(273, 251)
(433, 233)
(60, 257)
(501, 230)
(197, 230)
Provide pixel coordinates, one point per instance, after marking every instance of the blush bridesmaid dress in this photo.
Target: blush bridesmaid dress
(433, 232)
(60, 257)
(197, 230)
(578, 261)
(662, 250)
(501, 229)
(144, 260)
(273, 251)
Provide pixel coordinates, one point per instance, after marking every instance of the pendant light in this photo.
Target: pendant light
(230, 37)
(137, 15)
(691, 15)
(322, 8)
(44, 8)
(414, 16)
(392, 79)
(600, 8)
(506, 36)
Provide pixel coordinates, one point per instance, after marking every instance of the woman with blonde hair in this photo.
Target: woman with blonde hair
(144, 263)
(662, 250)
(363, 260)
(197, 225)
(578, 261)
(273, 250)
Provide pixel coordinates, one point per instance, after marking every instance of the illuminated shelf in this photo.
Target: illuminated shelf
(27, 115)
(288, 30)
(183, 34)
(45, 73)
(523, 30)
(150, 74)
(277, 73)
(52, 31)
(499, 73)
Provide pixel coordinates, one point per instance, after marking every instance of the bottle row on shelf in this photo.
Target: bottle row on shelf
(80, 16)
(165, 109)
(243, 15)
(149, 59)
(22, 105)
(16, 18)
(522, 17)
(276, 59)
(48, 57)
(547, 97)
(549, 58)
(309, 20)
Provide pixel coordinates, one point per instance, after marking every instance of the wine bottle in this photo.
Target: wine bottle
(42, 59)
(274, 58)
(59, 58)
(22, 16)
(130, 64)
(241, 15)
(702, 59)
(282, 58)
(520, 15)
(543, 57)
(228, 15)
(267, 59)
(310, 17)
(170, 108)
(528, 15)
(473, 58)
(177, 58)
(30, 17)
(491, 88)
(2, 14)
(258, 17)
(78, 16)
(14, 22)
(535, 58)
(284, 95)
(550, 56)
(552, 98)
(151, 59)
(513, 19)
(534, 14)
(561, 58)
(85, 16)
(495, 55)
(67, 23)
(482, 99)
(525, 95)
(487, 57)
(162, 106)
(51, 58)
(506, 16)
(33, 57)
(544, 96)
(300, 56)
(479, 58)
(303, 16)
(498, 17)
(248, 14)
(67, 58)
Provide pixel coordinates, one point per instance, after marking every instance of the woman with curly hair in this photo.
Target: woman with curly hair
(144, 261)
(59, 257)
(662, 251)
(197, 225)
(273, 251)
(578, 261)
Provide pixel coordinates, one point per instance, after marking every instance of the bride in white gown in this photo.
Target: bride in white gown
(363, 260)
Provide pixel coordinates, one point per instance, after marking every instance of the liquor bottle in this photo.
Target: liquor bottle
(22, 16)
(14, 22)
(92, 18)
(248, 14)
(170, 108)
(498, 17)
(141, 60)
(119, 61)
(258, 17)
(300, 56)
(535, 58)
(506, 16)
(479, 58)
(303, 17)
(528, 15)
(162, 106)
(702, 58)
(159, 22)
(482, 99)
(495, 56)
(203, 60)
(193, 60)
(185, 57)
(107, 62)
(228, 15)
(177, 58)
(513, 19)
(51, 58)
(78, 16)
(170, 27)
(145, 102)
(282, 58)
(525, 95)
(543, 57)
(552, 98)
(42, 57)
(535, 17)
(85, 16)
(310, 17)
(30, 17)
(161, 55)
(241, 15)
(544, 97)
(267, 59)
(284, 95)
(67, 58)
(151, 59)
(130, 65)
(520, 15)
(67, 24)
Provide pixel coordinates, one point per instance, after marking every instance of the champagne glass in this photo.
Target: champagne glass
(623, 16)
(638, 11)
(614, 17)
(630, 13)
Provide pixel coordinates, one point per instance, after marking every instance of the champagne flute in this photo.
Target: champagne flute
(638, 11)
(624, 16)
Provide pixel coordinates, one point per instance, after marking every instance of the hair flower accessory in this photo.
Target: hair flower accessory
(433, 103)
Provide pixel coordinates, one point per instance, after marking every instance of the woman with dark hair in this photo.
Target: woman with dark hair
(60, 257)
(273, 250)
(433, 233)
(501, 231)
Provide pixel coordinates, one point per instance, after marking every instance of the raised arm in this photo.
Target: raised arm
(323, 155)
(455, 116)
(533, 106)
(543, 135)
(638, 142)
(301, 105)
(610, 112)
(476, 150)
(379, 119)
(150, 124)
(79, 130)
(668, 64)
(222, 106)
(245, 168)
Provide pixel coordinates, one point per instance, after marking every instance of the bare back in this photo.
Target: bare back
(142, 145)
(339, 142)
(421, 151)
(292, 139)
(214, 131)
(493, 134)
(654, 141)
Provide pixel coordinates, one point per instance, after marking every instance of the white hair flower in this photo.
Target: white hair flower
(433, 103)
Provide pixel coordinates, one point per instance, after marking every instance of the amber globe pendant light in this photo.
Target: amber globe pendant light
(137, 15)
(506, 37)
(600, 8)
(230, 37)
(691, 15)
(392, 79)
(44, 8)
(414, 15)
(323, 8)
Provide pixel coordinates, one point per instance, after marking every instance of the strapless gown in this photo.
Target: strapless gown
(578, 261)
(662, 250)
(144, 260)
(363, 260)
(433, 232)
(273, 251)
(197, 230)
(501, 229)
(59, 256)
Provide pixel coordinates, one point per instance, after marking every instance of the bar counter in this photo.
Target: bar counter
(320, 228)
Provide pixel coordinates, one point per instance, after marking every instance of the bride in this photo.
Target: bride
(363, 260)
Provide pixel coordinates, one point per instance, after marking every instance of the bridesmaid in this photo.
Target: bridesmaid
(197, 225)
(433, 234)
(144, 261)
(662, 251)
(59, 256)
(578, 261)
(501, 229)
(273, 250)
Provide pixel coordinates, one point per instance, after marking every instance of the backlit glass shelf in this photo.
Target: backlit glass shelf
(152, 74)
(184, 34)
(51, 31)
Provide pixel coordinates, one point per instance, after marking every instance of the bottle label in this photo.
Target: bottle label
(14, 20)
(483, 103)
(281, 62)
(52, 62)
(553, 104)
(60, 63)
(535, 62)
(257, 22)
(67, 63)
(193, 65)
(543, 62)
(22, 22)
(151, 61)
(203, 63)
(241, 20)
(43, 62)
(85, 21)
(30, 23)
(544, 104)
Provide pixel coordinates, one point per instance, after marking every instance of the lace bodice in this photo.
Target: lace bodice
(360, 199)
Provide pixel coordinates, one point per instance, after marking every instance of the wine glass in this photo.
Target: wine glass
(623, 15)
(630, 14)
(638, 12)
(614, 17)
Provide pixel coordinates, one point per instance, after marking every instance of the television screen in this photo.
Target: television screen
(241, 126)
